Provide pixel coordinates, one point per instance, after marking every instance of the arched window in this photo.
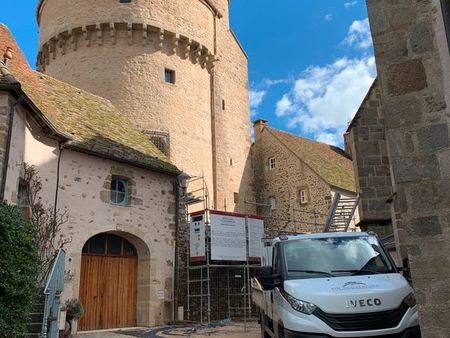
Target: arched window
(109, 245)
(119, 191)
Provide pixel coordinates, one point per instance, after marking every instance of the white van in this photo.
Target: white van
(333, 285)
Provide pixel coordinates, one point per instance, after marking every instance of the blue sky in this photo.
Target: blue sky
(310, 61)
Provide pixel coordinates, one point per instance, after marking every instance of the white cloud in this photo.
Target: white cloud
(284, 106)
(324, 99)
(359, 35)
(329, 17)
(350, 4)
(256, 98)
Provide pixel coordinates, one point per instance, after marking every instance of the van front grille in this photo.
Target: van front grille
(363, 321)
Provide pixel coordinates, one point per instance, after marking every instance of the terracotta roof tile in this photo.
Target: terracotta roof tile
(327, 161)
(93, 123)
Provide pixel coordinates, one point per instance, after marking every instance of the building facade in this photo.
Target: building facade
(412, 56)
(173, 67)
(297, 179)
(117, 189)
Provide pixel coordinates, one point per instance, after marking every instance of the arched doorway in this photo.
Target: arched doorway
(108, 285)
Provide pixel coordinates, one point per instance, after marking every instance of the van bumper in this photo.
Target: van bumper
(413, 332)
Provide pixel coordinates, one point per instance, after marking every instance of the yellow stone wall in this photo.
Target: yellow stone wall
(120, 51)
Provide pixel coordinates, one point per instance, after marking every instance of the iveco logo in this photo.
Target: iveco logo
(362, 302)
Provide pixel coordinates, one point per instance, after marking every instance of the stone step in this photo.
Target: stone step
(34, 327)
(38, 307)
(36, 317)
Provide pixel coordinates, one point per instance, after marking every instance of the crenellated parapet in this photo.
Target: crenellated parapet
(131, 34)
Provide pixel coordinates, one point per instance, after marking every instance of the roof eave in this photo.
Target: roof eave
(171, 172)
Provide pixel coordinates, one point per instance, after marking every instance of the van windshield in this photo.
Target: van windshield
(335, 257)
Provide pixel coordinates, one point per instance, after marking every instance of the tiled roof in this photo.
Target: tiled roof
(327, 161)
(92, 123)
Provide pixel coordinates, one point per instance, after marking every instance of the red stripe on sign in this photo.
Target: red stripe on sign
(198, 259)
(224, 213)
(197, 213)
(255, 259)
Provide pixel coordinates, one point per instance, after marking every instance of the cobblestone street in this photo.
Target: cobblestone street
(234, 330)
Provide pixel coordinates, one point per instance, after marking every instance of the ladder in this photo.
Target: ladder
(341, 213)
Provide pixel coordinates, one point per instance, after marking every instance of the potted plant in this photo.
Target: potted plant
(74, 311)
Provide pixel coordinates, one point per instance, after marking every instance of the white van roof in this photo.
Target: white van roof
(322, 235)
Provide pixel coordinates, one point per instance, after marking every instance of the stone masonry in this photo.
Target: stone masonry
(413, 61)
(121, 51)
(365, 140)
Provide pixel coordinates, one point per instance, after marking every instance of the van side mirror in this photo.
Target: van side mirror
(268, 280)
(405, 270)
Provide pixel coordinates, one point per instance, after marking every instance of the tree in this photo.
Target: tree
(47, 222)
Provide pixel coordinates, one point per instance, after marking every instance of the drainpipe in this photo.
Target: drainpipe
(58, 169)
(176, 263)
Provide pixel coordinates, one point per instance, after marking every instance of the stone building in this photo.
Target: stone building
(118, 189)
(411, 40)
(174, 67)
(365, 141)
(296, 179)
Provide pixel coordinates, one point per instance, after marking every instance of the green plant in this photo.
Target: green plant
(19, 267)
(74, 309)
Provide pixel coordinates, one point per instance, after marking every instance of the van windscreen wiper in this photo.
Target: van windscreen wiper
(359, 272)
(312, 271)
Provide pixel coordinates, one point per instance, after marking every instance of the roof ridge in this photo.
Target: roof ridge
(302, 137)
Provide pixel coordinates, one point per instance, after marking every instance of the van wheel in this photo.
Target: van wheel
(263, 325)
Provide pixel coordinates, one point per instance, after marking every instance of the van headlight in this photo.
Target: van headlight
(297, 304)
(410, 300)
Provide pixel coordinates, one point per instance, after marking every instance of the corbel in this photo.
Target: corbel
(52, 48)
(86, 36)
(73, 40)
(144, 34)
(175, 43)
(198, 53)
(112, 32)
(98, 30)
(130, 33)
(188, 48)
(160, 38)
(61, 43)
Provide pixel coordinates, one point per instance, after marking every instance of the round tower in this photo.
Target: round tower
(162, 64)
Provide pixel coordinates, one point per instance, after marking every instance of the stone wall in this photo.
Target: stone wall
(4, 131)
(284, 183)
(413, 66)
(120, 52)
(367, 144)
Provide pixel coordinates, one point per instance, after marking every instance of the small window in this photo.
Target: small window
(231, 162)
(169, 75)
(273, 203)
(223, 105)
(303, 196)
(236, 198)
(125, 1)
(119, 191)
(272, 163)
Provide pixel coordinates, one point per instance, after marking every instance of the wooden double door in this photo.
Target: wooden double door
(108, 287)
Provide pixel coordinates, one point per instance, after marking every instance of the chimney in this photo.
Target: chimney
(258, 127)
(7, 57)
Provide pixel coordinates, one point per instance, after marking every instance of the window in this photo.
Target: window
(109, 245)
(125, 1)
(223, 104)
(169, 76)
(236, 198)
(273, 203)
(119, 191)
(303, 196)
(231, 162)
(272, 163)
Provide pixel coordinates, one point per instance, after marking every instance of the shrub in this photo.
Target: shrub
(19, 265)
(74, 309)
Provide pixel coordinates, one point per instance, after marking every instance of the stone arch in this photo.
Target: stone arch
(143, 249)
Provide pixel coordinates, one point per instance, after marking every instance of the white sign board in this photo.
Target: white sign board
(197, 243)
(228, 237)
(255, 235)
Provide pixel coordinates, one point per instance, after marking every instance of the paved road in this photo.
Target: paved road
(233, 330)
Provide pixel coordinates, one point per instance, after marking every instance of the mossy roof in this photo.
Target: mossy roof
(329, 162)
(92, 123)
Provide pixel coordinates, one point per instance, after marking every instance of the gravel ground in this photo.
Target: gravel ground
(232, 330)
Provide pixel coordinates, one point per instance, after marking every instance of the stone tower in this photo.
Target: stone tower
(173, 67)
